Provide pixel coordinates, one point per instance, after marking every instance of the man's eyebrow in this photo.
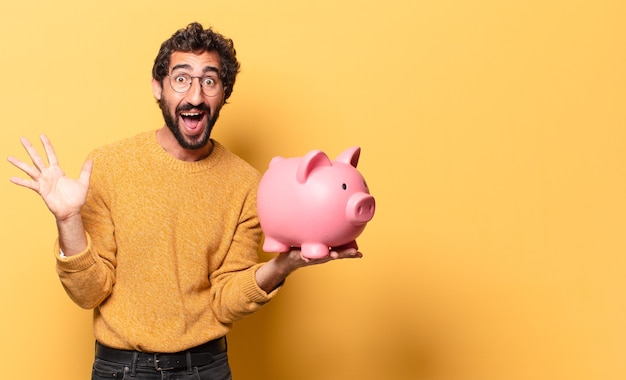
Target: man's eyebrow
(181, 66)
(207, 69)
(213, 69)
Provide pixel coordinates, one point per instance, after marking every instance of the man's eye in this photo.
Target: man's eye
(180, 79)
(209, 81)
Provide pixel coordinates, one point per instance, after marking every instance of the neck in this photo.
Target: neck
(168, 142)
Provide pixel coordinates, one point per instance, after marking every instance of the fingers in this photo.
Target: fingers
(33, 185)
(39, 164)
(28, 169)
(349, 253)
(34, 155)
(38, 161)
(334, 254)
(33, 171)
(47, 145)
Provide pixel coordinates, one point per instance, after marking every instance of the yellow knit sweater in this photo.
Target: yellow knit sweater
(172, 247)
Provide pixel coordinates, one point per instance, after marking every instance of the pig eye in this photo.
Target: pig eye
(344, 186)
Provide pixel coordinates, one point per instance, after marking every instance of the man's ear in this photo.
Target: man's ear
(157, 89)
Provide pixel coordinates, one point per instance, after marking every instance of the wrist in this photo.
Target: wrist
(72, 239)
(274, 272)
(69, 218)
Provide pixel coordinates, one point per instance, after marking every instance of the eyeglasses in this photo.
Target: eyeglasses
(182, 83)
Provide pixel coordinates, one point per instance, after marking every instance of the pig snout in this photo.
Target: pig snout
(360, 208)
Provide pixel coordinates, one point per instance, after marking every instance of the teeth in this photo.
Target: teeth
(190, 114)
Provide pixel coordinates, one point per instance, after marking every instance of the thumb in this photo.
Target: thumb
(85, 172)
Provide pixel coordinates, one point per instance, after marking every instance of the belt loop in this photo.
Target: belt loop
(189, 368)
(133, 364)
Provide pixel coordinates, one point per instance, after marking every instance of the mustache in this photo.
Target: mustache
(189, 107)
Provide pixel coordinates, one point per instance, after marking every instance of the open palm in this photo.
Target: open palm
(64, 196)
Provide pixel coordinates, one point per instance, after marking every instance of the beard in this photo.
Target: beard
(171, 120)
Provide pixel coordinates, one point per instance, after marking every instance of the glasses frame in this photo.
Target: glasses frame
(218, 87)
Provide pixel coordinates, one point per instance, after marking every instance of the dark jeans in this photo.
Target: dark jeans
(219, 369)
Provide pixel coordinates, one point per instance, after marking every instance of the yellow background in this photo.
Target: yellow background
(493, 138)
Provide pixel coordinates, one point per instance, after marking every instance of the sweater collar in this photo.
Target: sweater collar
(166, 159)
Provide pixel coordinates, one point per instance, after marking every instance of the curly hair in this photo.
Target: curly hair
(194, 38)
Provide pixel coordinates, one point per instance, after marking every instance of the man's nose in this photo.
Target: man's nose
(194, 95)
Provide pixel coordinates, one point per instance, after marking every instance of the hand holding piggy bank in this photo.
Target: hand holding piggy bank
(313, 203)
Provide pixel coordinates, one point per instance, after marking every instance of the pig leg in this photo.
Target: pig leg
(273, 245)
(314, 250)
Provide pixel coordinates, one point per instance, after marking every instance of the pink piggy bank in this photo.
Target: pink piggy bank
(313, 203)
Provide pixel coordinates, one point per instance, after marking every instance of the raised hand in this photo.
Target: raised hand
(63, 196)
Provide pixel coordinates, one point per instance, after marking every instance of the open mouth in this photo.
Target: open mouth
(193, 119)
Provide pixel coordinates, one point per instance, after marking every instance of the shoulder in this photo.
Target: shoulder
(235, 164)
(120, 159)
(122, 148)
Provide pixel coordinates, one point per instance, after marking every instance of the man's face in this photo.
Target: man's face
(190, 115)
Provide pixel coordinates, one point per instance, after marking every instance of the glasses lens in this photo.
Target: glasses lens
(180, 82)
(210, 86)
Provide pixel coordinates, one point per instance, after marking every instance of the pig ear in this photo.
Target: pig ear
(276, 160)
(350, 156)
(312, 160)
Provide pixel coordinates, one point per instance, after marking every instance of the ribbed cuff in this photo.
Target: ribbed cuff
(253, 292)
(74, 263)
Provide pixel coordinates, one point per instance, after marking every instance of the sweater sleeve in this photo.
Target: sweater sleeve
(85, 277)
(235, 292)
(88, 277)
